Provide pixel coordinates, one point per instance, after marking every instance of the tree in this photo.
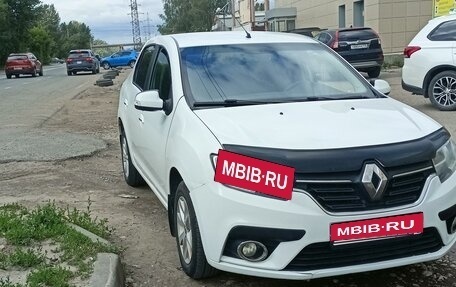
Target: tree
(74, 35)
(181, 16)
(49, 19)
(40, 43)
(20, 18)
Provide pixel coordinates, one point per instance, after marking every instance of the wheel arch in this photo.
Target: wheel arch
(431, 74)
(174, 179)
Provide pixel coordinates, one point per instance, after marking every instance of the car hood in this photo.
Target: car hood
(318, 125)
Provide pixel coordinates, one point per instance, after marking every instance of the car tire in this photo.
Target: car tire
(374, 73)
(98, 69)
(193, 262)
(17, 75)
(74, 73)
(8, 76)
(106, 66)
(132, 63)
(34, 73)
(69, 73)
(442, 91)
(41, 72)
(94, 71)
(131, 174)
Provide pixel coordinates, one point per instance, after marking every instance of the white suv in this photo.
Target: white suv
(430, 63)
(274, 157)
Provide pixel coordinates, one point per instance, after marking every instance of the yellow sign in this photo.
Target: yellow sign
(443, 7)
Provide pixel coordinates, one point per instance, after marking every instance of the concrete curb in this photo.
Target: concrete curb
(107, 270)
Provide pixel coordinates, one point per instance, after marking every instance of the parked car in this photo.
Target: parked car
(361, 47)
(276, 158)
(22, 63)
(429, 63)
(56, 60)
(82, 61)
(121, 58)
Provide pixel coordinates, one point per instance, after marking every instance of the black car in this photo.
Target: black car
(82, 60)
(361, 47)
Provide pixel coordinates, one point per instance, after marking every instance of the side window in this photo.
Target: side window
(161, 77)
(444, 32)
(143, 67)
(125, 54)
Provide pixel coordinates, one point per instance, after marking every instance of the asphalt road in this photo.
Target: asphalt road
(27, 102)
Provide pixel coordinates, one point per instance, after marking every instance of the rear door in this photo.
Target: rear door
(442, 44)
(359, 45)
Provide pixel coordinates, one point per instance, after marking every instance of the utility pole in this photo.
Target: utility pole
(135, 24)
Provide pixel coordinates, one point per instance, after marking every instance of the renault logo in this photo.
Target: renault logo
(374, 181)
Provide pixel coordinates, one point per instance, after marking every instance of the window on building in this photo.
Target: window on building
(444, 32)
(280, 26)
(342, 16)
(358, 13)
(290, 25)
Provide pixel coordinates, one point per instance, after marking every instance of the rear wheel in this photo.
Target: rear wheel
(189, 244)
(41, 72)
(74, 73)
(34, 73)
(106, 66)
(17, 75)
(8, 76)
(68, 73)
(442, 91)
(374, 73)
(131, 174)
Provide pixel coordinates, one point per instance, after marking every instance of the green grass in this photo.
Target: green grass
(20, 258)
(5, 282)
(22, 227)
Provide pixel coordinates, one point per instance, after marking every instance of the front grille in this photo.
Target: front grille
(324, 255)
(344, 192)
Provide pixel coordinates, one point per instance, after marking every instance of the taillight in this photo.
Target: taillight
(90, 60)
(409, 50)
(69, 60)
(335, 44)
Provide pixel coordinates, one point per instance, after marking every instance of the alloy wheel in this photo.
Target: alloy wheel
(125, 157)
(184, 230)
(444, 91)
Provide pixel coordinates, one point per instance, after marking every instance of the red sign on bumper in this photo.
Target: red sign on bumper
(254, 174)
(377, 228)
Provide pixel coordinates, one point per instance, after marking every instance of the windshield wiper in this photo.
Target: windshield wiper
(232, 102)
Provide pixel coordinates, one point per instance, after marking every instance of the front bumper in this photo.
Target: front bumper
(220, 208)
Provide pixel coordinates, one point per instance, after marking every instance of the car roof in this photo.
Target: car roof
(443, 18)
(349, 29)
(234, 37)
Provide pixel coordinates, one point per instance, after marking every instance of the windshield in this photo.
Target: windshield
(270, 73)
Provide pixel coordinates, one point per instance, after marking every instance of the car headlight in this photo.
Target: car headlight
(445, 160)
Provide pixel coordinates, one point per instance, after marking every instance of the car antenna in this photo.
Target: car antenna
(248, 36)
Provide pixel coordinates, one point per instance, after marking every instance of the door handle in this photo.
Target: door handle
(125, 102)
(141, 118)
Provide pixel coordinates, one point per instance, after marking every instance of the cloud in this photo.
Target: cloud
(109, 19)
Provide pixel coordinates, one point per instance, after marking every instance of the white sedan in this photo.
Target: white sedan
(275, 158)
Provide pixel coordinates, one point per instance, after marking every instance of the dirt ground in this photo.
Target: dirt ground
(141, 227)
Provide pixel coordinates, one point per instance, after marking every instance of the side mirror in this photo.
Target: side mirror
(382, 86)
(149, 101)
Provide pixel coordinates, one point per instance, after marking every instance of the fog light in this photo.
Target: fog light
(252, 251)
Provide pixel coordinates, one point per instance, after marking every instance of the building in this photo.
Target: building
(396, 21)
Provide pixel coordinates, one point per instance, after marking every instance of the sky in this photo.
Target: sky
(109, 20)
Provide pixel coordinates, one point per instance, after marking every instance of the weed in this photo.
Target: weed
(49, 276)
(20, 258)
(7, 283)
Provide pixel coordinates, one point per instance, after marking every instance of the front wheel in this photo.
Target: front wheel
(131, 174)
(442, 91)
(189, 245)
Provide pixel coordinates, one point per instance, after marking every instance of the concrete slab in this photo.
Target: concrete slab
(107, 271)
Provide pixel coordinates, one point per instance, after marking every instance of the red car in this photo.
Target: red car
(23, 63)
